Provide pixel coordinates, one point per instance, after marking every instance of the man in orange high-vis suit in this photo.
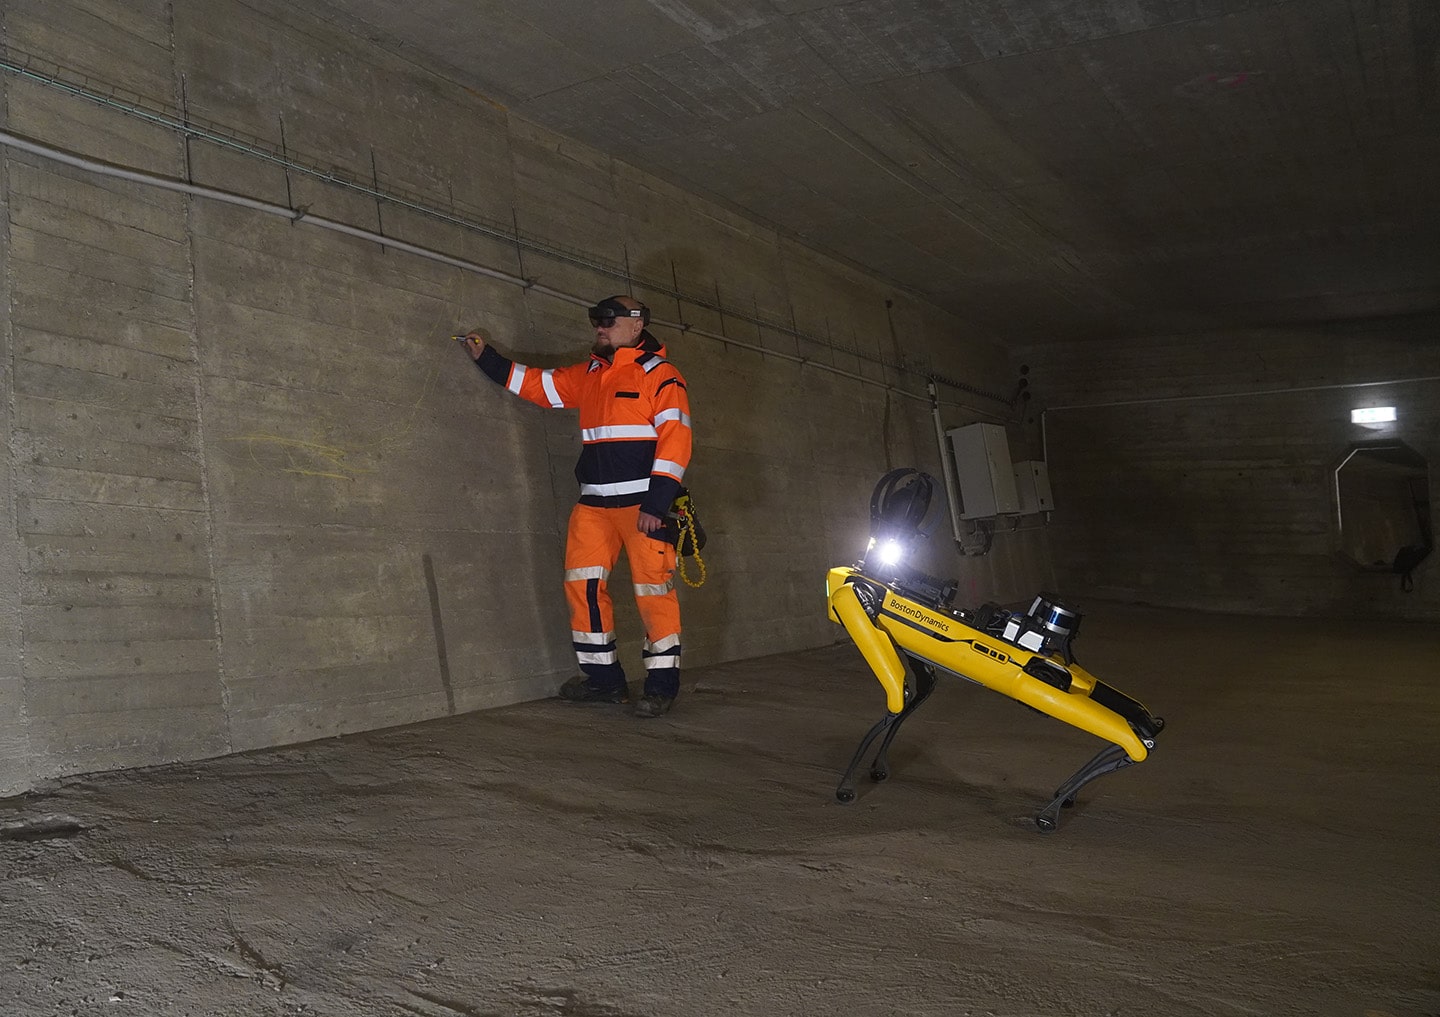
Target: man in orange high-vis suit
(635, 429)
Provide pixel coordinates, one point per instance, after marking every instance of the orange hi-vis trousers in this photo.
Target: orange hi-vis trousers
(592, 547)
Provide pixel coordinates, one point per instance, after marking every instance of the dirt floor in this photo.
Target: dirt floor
(1277, 854)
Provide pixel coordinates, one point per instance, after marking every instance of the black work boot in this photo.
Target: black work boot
(653, 706)
(581, 690)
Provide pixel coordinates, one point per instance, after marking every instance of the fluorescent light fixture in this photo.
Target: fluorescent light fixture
(1373, 415)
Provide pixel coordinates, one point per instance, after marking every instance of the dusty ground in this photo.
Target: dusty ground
(1278, 854)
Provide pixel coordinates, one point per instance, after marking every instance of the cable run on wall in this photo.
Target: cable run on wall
(193, 128)
(144, 177)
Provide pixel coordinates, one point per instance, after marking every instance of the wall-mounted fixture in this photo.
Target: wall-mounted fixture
(984, 471)
(1382, 508)
(1373, 415)
(1032, 483)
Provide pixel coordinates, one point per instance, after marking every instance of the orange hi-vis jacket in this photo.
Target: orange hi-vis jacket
(634, 420)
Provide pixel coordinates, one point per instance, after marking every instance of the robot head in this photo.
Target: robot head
(898, 510)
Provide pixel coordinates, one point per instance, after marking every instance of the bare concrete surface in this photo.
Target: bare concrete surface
(1276, 855)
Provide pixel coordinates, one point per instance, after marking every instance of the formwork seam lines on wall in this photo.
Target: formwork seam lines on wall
(16, 618)
(254, 148)
(217, 615)
(255, 204)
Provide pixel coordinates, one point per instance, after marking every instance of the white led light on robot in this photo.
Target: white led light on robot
(892, 552)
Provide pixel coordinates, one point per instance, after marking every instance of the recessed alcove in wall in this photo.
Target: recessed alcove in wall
(1382, 506)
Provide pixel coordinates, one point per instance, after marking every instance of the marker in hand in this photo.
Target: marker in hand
(474, 345)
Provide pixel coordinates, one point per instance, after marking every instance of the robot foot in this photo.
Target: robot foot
(1107, 760)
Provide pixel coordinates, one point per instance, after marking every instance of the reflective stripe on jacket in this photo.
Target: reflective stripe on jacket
(634, 420)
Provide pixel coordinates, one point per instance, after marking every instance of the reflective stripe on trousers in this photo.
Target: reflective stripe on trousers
(592, 547)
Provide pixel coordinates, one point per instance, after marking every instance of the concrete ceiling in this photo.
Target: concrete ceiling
(1048, 169)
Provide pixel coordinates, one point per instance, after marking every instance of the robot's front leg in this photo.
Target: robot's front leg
(879, 652)
(924, 685)
(845, 792)
(889, 726)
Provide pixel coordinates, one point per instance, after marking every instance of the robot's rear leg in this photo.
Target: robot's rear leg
(1107, 760)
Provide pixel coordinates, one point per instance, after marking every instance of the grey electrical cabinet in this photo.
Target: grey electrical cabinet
(1032, 483)
(984, 472)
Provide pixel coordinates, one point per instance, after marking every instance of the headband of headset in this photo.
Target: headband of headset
(611, 307)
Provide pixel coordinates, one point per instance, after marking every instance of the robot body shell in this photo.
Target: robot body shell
(946, 641)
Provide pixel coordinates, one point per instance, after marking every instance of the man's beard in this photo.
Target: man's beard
(603, 350)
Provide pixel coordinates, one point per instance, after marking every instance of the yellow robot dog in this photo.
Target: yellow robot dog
(896, 614)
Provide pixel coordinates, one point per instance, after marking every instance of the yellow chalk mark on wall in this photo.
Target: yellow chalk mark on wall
(316, 458)
(332, 454)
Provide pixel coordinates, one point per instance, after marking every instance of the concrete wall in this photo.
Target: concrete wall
(253, 495)
(1175, 485)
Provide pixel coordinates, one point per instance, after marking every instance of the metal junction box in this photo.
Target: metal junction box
(1032, 484)
(984, 472)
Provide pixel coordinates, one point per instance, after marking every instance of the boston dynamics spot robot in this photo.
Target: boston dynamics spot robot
(897, 615)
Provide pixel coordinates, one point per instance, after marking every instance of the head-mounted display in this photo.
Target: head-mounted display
(603, 314)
